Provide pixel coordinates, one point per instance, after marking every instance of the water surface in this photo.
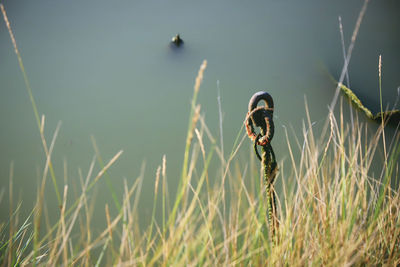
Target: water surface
(106, 69)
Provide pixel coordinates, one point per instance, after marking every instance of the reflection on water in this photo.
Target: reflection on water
(109, 71)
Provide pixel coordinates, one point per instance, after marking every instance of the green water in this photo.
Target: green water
(106, 69)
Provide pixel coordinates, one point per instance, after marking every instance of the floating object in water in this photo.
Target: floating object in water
(176, 40)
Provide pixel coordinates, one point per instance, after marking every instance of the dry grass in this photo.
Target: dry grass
(332, 212)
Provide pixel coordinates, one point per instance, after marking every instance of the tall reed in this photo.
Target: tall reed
(333, 209)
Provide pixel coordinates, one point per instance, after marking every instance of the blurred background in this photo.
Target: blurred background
(107, 69)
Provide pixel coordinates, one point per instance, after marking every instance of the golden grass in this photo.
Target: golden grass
(332, 211)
